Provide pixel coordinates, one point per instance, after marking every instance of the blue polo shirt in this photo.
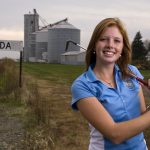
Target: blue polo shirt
(122, 103)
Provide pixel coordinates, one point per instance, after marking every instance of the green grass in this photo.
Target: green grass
(146, 73)
(57, 73)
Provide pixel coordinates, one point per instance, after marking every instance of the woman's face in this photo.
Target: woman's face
(109, 46)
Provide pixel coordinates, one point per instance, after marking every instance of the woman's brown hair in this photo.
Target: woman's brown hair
(125, 58)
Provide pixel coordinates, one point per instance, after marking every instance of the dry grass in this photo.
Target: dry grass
(54, 126)
(9, 77)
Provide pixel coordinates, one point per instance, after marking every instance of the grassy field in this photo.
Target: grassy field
(56, 73)
(60, 73)
(68, 130)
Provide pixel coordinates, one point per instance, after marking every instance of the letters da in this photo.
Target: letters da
(5, 45)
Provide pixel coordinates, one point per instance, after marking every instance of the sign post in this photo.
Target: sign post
(9, 45)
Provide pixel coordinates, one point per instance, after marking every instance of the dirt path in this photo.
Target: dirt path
(11, 128)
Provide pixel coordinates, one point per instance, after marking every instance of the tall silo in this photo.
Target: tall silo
(31, 24)
(58, 34)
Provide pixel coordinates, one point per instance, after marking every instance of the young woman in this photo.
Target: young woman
(107, 94)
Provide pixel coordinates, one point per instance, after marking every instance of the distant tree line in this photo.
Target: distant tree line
(140, 52)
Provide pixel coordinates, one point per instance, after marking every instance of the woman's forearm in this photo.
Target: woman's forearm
(125, 130)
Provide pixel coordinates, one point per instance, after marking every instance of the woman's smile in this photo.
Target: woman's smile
(108, 53)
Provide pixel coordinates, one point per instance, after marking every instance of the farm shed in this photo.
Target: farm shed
(73, 57)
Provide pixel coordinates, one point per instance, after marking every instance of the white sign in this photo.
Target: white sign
(11, 45)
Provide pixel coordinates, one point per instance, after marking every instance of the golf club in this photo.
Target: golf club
(69, 41)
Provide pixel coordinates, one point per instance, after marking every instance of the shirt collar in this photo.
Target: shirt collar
(90, 75)
(117, 69)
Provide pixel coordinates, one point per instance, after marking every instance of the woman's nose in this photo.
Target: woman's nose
(110, 43)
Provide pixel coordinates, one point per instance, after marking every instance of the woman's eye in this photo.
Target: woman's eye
(117, 41)
(102, 39)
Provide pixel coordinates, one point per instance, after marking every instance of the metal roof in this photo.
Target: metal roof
(63, 25)
(60, 24)
(73, 53)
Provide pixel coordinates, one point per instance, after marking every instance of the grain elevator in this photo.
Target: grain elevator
(47, 43)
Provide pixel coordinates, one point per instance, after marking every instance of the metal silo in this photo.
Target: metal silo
(58, 34)
(41, 43)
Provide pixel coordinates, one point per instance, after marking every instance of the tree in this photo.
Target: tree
(138, 49)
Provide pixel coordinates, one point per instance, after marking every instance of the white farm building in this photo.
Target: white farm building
(73, 57)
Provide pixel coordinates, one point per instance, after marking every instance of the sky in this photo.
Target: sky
(83, 14)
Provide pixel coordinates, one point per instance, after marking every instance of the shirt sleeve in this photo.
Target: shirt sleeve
(136, 71)
(79, 90)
